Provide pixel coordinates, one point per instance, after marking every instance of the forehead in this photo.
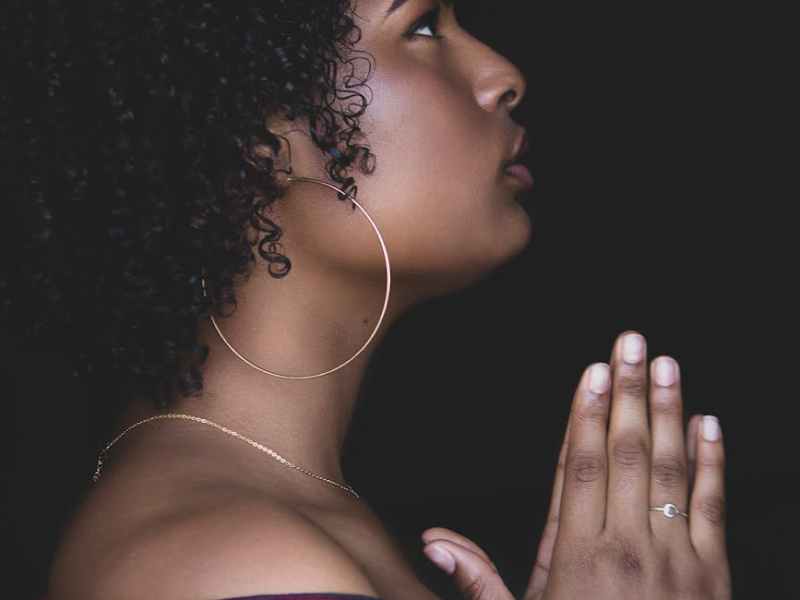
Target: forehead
(383, 9)
(379, 8)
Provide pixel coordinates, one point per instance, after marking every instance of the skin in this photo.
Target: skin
(439, 123)
(601, 541)
(448, 215)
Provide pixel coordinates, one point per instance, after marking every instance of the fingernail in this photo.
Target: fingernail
(664, 372)
(711, 429)
(444, 560)
(599, 378)
(632, 348)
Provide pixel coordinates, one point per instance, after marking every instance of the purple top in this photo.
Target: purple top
(298, 596)
(312, 596)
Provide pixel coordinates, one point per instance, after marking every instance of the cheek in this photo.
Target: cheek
(435, 125)
(435, 186)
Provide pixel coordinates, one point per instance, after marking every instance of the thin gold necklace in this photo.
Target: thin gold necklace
(253, 443)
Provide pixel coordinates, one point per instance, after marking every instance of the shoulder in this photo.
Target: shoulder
(236, 549)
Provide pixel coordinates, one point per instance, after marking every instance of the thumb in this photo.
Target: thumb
(473, 576)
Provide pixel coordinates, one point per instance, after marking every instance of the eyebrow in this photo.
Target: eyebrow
(394, 6)
(398, 3)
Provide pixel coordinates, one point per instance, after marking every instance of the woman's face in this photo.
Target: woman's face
(439, 124)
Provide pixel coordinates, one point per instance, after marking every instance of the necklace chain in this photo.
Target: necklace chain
(253, 443)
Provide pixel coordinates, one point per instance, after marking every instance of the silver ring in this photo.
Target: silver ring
(670, 511)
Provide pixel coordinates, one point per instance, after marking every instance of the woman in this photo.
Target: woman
(166, 148)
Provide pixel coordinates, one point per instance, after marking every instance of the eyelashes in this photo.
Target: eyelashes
(429, 19)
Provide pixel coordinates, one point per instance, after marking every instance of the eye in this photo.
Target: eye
(429, 20)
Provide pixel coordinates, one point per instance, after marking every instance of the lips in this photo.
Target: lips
(521, 173)
(521, 148)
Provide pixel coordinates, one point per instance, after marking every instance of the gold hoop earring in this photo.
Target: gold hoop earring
(292, 179)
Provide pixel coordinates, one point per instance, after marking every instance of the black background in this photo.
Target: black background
(657, 147)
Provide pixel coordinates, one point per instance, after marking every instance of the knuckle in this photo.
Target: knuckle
(580, 558)
(632, 385)
(667, 405)
(629, 452)
(684, 586)
(593, 410)
(475, 588)
(586, 467)
(686, 580)
(624, 557)
(683, 577)
(552, 522)
(708, 461)
(713, 508)
(539, 564)
(669, 472)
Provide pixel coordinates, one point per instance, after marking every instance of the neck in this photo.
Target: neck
(294, 332)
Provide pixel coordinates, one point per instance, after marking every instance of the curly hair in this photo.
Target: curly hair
(128, 138)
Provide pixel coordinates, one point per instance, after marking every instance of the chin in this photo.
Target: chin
(516, 229)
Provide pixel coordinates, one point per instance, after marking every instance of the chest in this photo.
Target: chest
(365, 538)
(112, 523)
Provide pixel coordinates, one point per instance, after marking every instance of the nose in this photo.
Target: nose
(499, 84)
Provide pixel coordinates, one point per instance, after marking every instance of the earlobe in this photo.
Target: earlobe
(281, 161)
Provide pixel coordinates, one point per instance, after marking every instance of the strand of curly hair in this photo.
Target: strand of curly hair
(127, 136)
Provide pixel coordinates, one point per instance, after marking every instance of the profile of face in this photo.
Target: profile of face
(439, 124)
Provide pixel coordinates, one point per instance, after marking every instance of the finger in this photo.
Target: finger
(691, 440)
(669, 483)
(629, 441)
(541, 568)
(583, 500)
(442, 533)
(707, 516)
(473, 577)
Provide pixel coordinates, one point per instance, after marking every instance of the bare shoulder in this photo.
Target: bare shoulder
(241, 548)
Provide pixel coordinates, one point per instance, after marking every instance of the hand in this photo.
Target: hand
(601, 540)
(474, 574)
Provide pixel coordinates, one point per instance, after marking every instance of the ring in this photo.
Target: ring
(670, 511)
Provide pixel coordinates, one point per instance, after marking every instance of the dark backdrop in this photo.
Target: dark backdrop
(657, 152)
